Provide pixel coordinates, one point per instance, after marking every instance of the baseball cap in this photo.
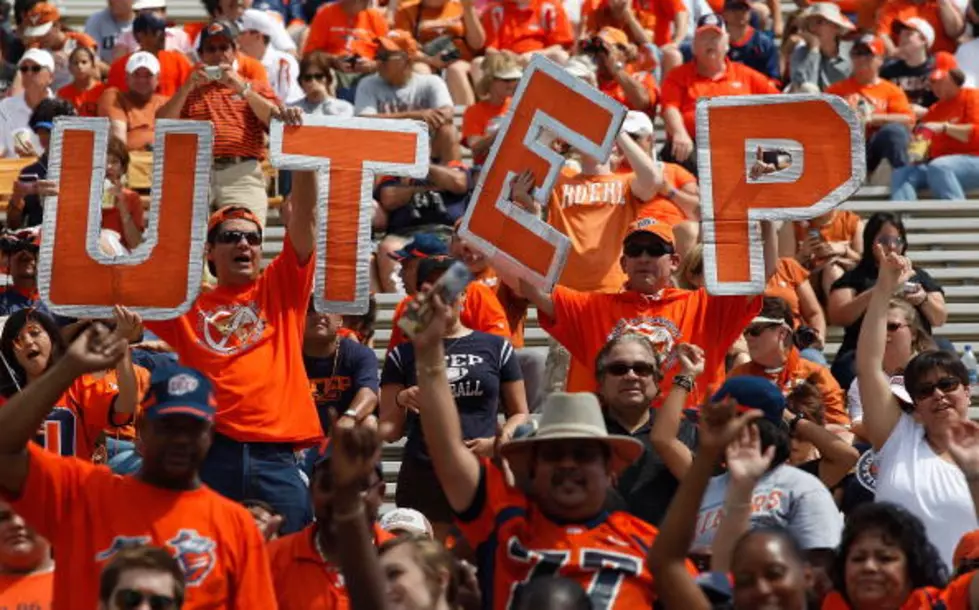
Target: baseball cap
(148, 22)
(899, 391)
(613, 36)
(509, 73)
(216, 29)
(966, 549)
(142, 5)
(181, 391)
(711, 22)
(232, 212)
(429, 269)
(38, 56)
(653, 227)
(258, 21)
(868, 42)
(40, 19)
(422, 245)
(918, 24)
(142, 59)
(944, 62)
(406, 520)
(754, 393)
(637, 123)
(398, 41)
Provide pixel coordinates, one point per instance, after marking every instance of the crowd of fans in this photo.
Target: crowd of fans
(671, 448)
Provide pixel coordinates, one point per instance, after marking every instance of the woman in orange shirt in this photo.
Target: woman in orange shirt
(86, 88)
(828, 246)
(482, 120)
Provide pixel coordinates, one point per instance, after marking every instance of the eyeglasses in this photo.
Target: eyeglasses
(253, 238)
(26, 69)
(641, 369)
(655, 249)
(217, 48)
(130, 599)
(892, 242)
(945, 384)
(313, 77)
(757, 329)
(893, 327)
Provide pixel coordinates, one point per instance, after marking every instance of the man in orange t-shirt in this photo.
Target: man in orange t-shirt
(26, 568)
(708, 74)
(661, 22)
(89, 514)
(175, 69)
(525, 27)
(944, 16)
(883, 107)
(616, 76)
(346, 31)
(246, 334)
(132, 113)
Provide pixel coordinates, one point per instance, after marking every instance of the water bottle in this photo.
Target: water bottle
(969, 360)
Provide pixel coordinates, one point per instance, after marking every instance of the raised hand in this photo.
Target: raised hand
(895, 270)
(96, 348)
(356, 449)
(129, 325)
(963, 446)
(521, 192)
(721, 423)
(745, 460)
(692, 360)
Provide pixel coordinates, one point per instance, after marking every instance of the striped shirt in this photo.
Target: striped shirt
(238, 132)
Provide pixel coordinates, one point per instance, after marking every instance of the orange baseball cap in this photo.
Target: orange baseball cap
(613, 36)
(944, 62)
(40, 19)
(232, 212)
(967, 548)
(870, 42)
(652, 226)
(398, 41)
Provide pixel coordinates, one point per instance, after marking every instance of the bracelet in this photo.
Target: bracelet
(684, 382)
(426, 369)
(357, 513)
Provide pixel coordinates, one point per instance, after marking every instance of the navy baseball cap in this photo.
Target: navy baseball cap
(754, 393)
(148, 22)
(423, 245)
(180, 391)
(325, 451)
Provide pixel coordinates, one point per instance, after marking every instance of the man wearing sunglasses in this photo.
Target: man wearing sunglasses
(142, 577)
(36, 69)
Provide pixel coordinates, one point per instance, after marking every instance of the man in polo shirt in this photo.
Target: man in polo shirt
(240, 111)
(36, 69)
(708, 74)
(257, 29)
(132, 113)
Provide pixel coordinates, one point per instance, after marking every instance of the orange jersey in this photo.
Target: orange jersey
(481, 311)
(886, 97)
(335, 33)
(128, 430)
(683, 86)
(85, 102)
(524, 27)
(476, 121)
(595, 213)
(513, 304)
(796, 370)
(929, 10)
(925, 598)
(606, 556)
(841, 227)
(27, 591)
(584, 321)
(76, 506)
(615, 91)
(656, 16)
(302, 580)
(785, 282)
(175, 69)
(963, 109)
(427, 23)
(661, 207)
(248, 340)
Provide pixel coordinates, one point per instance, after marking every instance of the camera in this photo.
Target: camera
(593, 46)
(213, 72)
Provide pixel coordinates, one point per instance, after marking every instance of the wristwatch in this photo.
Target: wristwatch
(684, 381)
(794, 422)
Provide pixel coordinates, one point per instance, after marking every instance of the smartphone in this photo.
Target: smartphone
(213, 72)
(452, 283)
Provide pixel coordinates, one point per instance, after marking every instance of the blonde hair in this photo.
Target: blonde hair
(921, 340)
(493, 65)
(433, 560)
(691, 265)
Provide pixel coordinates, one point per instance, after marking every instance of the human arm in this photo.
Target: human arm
(393, 411)
(787, 245)
(929, 300)
(128, 328)
(521, 194)
(514, 398)
(472, 26)
(175, 105)
(953, 21)
(811, 310)
(666, 428)
(844, 306)
(445, 178)
(302, 218)
(131, 231)
(769, 233)
(838, 457)
(957, 131)
(648, 178)
(677, 132)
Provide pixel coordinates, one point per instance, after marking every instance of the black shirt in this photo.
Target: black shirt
(912, 80)
(33, 211)
(862, 278)
(646, 488)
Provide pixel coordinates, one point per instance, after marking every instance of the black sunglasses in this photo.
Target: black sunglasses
(641, 369)
(253, 238)
(654, 249)
(26, 69)
(582, 453)
(130, 599)
(945, 384)
(894, 326)
(310, 77)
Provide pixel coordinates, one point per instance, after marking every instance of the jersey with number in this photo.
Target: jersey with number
(516, 543)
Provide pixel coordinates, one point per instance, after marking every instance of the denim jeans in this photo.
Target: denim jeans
(122, 456)
(259, 471)
(948, 177)
(889, 142)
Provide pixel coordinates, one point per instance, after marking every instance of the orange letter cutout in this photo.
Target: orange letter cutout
(161, 277)
(826, 144)
(516, 242)
(347, 153)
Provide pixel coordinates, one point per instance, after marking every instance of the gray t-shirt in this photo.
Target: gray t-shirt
(421, 92)
(104, 29)
(811, 66)
(787, 497)
(330, 106)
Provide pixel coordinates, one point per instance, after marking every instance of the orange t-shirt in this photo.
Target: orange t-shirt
(476, 121)
(962, 109)
(784, 284)
(303, 581)
(925, 598)
(335, 33)
(248, 340)
(841, 227)
(88, 514)
(683, 86)
(127, 431)
(584, 321)
(481, 311)
(513, 304)
(175, 69)
(112, 218)
(524, 27)
(928, 10)
(85, 102)
(796, 370)
(27, 591)
(654, 16)
(661, 207)
(614, 90)
(886, 97)
(595, 213)
(251, 69)
(428, 23)
(140, 120)
(238, 132)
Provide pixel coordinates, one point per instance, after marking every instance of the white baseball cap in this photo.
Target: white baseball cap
(637, 123)
(406, 520)
(259, 21)
(143, 59)
(38, 56)
(922, 27)
(142, 5)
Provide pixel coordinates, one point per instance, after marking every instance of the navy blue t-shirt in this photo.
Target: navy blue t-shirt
(427, 207)
(13, 300)
(336, 380)
(477, 364)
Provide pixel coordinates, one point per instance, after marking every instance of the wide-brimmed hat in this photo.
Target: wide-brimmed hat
(830, 12)
(571, 417)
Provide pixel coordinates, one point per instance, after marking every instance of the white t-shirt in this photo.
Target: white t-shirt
(968, 58)
(14, 115)
(912, 475)
(283, 71)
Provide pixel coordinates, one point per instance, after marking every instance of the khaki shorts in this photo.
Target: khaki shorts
(241, 184)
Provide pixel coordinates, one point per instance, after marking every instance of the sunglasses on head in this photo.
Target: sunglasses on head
(130, 599)
(945, 384)
(641, 369)
(26, 69)
(757, 329)
(253, 238)
(313, 77)
(654, 249)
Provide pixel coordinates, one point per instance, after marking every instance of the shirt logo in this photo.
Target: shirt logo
(230, 330)
(866, 470)
(180, 385)
(195, 555)
(661, 332)
(119, 543)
